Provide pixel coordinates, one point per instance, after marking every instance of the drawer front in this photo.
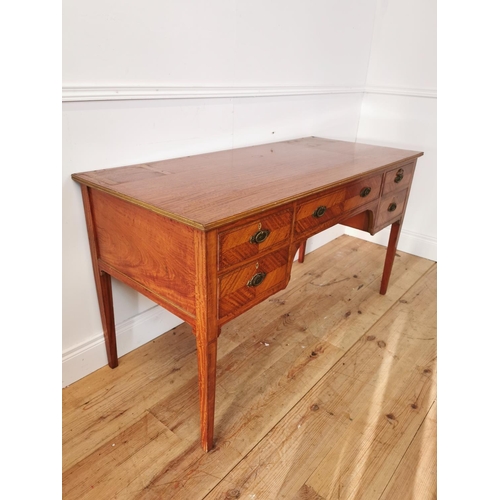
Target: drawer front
(398, 178)
(391, 206)
(361, 192)
(316, 212)
(252, 282)
(245, 242)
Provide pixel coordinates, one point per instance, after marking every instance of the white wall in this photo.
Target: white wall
(399, 110)
(116, 48)
(221, 42)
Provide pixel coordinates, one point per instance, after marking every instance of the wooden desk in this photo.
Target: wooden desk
(209, 236)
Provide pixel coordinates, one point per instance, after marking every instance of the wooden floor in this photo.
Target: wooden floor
(325, 391)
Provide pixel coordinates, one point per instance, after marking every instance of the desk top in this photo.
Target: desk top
(209, 190)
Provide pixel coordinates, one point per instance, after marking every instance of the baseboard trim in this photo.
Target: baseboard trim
(89, 356)
(412, 242)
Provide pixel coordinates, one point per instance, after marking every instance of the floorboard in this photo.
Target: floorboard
(326, 390)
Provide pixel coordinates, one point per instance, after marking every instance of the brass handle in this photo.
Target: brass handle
(365, 192)
(392, 207)
(399, 175)
(257, 279)
(260, 236)
(319, 212)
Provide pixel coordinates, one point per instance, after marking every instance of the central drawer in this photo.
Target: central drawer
(249, 240)
(361, 192)
(252, 282)
(317, 212)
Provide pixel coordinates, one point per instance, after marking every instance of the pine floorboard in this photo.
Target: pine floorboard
(325, 391)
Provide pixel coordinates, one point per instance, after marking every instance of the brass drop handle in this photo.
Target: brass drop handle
(257, 279)
(260, 236)
(392, 207)
(319, 212)
(365, 192)
(399, 175)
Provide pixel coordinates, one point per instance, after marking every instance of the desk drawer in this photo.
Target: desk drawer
(316, 212)
(398, 178)
(252, 282)
(361, 192)
(390, 207)
(245, 242)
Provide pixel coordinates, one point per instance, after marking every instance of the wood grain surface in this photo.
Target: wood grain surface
(235, 245)
(206, 330)
(353, 192)
(102, 283)
(392, 180)
(242, 181)
(385, 214)
(141, 245)
(234, 290)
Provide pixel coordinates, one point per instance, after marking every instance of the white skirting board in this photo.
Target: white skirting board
(410, 242)
(89, 356)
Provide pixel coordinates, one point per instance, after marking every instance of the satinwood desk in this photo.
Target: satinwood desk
(209, 236)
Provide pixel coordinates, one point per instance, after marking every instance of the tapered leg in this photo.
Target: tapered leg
(105, 298)
(302, 251)
(206, 329)
(389, 256)
(207, 364)
(103, 286)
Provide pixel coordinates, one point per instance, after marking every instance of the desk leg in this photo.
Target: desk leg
(105, 297)
(206, 330)
(103, 286)
(389, 257)
(302, 251)
(207, 364)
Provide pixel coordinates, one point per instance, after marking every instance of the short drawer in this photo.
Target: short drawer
(390, 207)
(398, 178)
(252, 282)
(361, 192)
(247, 241)
(315, 212)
